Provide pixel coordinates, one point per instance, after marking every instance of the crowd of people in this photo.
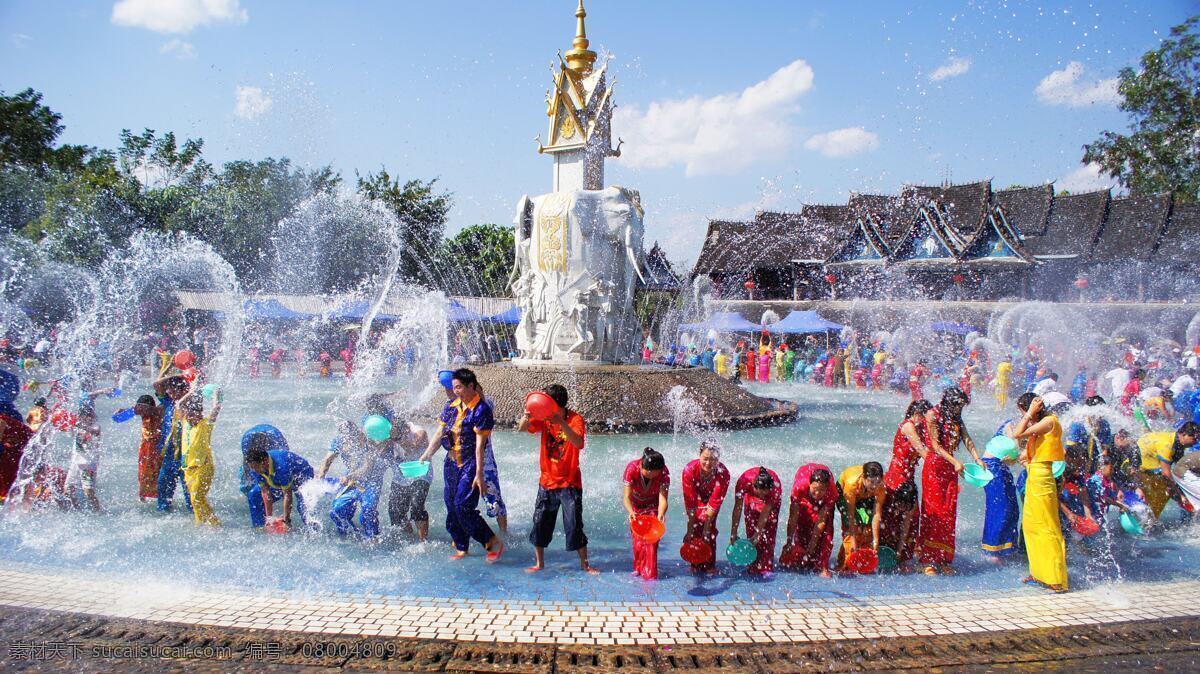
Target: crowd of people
(903, 507)
(1146, 384)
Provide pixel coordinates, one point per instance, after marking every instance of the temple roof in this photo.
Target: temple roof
(997, 241)
(965, 206)
(1179, 241)
(930, 239)
(1027, 208)
(936, 226)
(863, 243)
(1133, 228)
(808, 235)
(1075, 222)
(725, 247)
(660, 273)
(891, 214)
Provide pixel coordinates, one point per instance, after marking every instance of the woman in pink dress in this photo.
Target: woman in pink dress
(758, 494)
(647, 481)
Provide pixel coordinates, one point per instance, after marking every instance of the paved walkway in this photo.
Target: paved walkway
(602, 623)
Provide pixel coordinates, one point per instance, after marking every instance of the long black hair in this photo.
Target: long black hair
(1025, 400)
(652, 460)
(953, 402)
(919, 406)
(763, 480)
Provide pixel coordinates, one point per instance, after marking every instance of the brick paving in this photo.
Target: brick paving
(602, 623)
(38, 640)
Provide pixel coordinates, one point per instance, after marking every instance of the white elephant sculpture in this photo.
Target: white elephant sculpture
(578, 259)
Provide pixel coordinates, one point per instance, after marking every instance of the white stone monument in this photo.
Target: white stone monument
(579, 248)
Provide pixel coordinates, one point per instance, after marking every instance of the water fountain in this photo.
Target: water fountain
(579, 259)
(578, 255)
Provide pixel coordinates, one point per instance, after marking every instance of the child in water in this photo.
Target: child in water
(198, 467)
(298, 354)
(253, 356)
(276, 360)
(85, 460)
(150, 448)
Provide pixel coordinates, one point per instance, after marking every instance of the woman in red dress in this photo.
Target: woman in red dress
(809, 534)
(758, 494)
(705, 482)
(14, 433)
(909, 446)
(939, 481)
(646, 483)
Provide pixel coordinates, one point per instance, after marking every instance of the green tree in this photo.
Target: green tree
(30, 163)
(1161, 152)
(477, 261)
(238, 211)
(421, 212)
(28, 131)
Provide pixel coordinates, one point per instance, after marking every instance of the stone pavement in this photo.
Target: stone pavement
(602, 623)
(37, 641)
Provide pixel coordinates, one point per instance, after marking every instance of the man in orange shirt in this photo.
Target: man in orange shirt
(561, 483)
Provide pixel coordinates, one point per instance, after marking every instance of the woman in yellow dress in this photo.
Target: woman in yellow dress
(1003, 381)
(1040, 524)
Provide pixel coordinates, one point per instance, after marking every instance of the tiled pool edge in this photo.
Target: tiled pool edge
(725, 622)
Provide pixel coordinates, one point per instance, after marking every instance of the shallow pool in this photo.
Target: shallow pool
(131, 540)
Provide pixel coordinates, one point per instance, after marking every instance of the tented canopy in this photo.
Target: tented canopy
(802, 323)
(357, 311)
(271, 310)
(510, 317)
(457, 313)
(954, 328)
(723, 321)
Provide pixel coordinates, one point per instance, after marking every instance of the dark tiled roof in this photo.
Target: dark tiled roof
(660, 274)
(965, 206)
(1133, 228)
(1090, 226)
(892, 214)
(1075, 222)
(1178, 245)
(1027, 208)
(932, 219)
(996, 227)
(725, 247)
(808, 235)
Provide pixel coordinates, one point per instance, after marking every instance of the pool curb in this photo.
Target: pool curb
(677, 624)
(51, 640)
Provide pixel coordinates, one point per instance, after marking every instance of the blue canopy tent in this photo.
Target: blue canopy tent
(723, 321)
(954, 328)
(271, 310)
(457, 313)
(510, 317)
(803, 323)
(356, 311)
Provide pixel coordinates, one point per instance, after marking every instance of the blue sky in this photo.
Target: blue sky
(725, 107)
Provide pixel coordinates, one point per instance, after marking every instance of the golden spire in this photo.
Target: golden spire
(580, 58)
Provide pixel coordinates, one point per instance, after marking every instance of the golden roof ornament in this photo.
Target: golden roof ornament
(579, 58)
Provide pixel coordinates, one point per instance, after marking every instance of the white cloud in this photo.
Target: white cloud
(952, 68)
(717, 135)
(251, 103)
(1063, 87)
(20, 40)
(1087, 178)
(176, 16)
(180, 49)
(843, 142)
